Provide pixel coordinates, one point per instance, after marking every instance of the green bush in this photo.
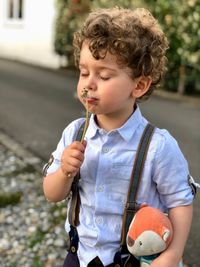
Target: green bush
(179, 19)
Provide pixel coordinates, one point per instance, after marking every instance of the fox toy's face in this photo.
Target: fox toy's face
(150, 232)
(147, 243)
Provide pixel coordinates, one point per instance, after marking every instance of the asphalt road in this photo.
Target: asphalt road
(36, 104)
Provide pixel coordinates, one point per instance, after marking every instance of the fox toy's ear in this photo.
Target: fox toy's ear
(166, 234)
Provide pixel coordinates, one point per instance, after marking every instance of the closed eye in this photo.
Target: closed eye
(104, 78)
(82, 74)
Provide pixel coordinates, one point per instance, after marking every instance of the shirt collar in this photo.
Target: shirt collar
(126, 131)
(92, 128)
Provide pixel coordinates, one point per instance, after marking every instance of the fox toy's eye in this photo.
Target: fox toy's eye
(140, 243)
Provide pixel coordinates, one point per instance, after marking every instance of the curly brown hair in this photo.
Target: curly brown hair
(133, 36)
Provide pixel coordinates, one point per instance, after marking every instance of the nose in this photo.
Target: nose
(91, 83)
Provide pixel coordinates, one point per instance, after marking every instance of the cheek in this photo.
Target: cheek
(110, 97)
(115, 94)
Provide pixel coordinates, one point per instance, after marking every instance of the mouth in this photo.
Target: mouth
(91, 100)
(87, 98)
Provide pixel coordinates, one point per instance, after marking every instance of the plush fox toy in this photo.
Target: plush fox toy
(149, 234)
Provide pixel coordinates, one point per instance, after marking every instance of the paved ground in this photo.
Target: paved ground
(36, 104)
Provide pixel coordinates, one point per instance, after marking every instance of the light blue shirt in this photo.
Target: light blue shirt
(105, 175)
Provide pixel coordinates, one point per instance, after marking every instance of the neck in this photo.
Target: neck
(109, 122)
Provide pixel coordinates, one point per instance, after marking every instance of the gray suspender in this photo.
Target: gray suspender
(130, 207)
(75, 201)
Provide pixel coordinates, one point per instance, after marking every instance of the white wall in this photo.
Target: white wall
(29, 39)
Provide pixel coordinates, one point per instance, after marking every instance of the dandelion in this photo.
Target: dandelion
(85, 96)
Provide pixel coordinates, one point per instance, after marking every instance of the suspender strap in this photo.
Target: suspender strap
(73, 214)
(131, 207)
(73, 235)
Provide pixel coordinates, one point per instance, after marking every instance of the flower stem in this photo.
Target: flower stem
(86, 117)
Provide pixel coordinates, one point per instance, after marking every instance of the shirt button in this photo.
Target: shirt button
(99, 220)
(105, 149)
(100, 188)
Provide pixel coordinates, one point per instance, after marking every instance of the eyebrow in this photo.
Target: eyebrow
(99, 67)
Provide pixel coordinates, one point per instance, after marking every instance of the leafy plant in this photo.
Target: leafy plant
(70, 15)
(179, 19)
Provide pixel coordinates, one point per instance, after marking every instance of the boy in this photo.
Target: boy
(121, 57)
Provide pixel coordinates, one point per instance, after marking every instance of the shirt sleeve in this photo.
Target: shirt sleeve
(171, 173)
(68, 136)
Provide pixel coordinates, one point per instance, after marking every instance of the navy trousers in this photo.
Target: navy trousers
(71, 260)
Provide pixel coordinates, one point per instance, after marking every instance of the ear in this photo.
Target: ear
(166, 234)
(142, 86)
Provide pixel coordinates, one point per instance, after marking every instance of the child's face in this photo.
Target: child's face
(110, 87)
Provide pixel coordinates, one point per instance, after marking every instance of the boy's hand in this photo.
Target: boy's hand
(72, 158)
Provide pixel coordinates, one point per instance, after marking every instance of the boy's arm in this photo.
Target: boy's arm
(57, 185)
(181, 219)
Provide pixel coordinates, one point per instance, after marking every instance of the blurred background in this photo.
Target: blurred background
(37, 100)
(41, 33)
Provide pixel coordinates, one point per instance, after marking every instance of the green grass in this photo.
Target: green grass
(36, 238)
(11, 198)
(26, 169)
(37, 262)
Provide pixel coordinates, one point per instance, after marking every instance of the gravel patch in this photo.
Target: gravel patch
(32, 229)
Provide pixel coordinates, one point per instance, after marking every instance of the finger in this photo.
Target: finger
(69, 154)
(72, 166)
(84, 143)
(77, 154)
(75, 163)
(78, 145)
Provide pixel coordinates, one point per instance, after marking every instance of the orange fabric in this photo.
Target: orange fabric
(148, 218)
